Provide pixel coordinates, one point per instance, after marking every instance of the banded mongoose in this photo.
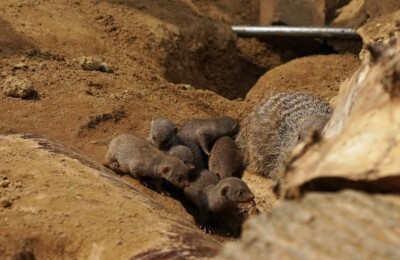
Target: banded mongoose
(200, 134)
(134, 155)
(218, 199)
(184, 154)
(225, 159)
(206, 131)
(163, 134)
(275, 126)
(197, 134)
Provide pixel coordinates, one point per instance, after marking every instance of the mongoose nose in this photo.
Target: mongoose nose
(251, 196)
(185, 184)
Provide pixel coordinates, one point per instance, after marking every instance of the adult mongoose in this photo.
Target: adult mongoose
(275, 126)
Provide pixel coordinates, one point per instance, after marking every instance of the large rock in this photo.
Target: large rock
(347, 225)
(57, 204)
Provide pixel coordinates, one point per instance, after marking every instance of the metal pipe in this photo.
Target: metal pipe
(315, 32)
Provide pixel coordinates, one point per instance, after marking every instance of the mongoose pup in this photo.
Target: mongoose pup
(184, 154)
(134, 155)
(275, 126)
(205, 132)
(200, 134)
(225, 159)
(163, 134)
(197, 134)
(218, 199)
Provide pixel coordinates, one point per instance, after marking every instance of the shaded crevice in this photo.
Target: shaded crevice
(384, 185)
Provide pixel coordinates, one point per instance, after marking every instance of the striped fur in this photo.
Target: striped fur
(274, 127)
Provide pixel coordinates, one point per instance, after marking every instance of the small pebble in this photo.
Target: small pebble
(5, 183)
(20, 66)
(5, 203)
(91, 64)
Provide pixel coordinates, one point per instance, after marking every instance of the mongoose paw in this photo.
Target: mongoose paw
(112, 165)
(164, 192)
(205, 228)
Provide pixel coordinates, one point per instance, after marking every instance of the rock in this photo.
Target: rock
(358, 12)
(4, 183)
(18, 87)
(352, 15)
(380, 28)
(92, 204)
(5, 203)
(345, 225)
(94, 63)
(20, 66)
(360, 144)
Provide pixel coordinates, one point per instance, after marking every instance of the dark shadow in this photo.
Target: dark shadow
(204, 54)
(11, 42)
(384, 185)
(296, 47)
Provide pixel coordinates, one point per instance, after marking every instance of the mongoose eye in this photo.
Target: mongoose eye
(165, 143)
(240, 193)
(179, 178)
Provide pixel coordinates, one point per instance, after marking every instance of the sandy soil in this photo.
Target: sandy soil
(168, 60)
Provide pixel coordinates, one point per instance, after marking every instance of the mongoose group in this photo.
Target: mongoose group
(202, 159)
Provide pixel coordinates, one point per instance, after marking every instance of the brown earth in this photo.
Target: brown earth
(168, 60)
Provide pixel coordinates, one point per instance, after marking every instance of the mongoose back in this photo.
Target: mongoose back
(275, 126)
(184, 154)
(163, 134)
(205, 132)
(200, 134)
(225, 159)
(134, 155)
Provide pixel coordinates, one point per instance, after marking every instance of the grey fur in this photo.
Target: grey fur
(163, 134)
(200, 134)
(136, 156)
(184, 154)
(218, 198)
(275, 126)
(225, 159)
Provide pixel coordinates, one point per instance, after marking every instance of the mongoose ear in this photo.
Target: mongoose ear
(190, 166)
(224, 191)
(165, 170)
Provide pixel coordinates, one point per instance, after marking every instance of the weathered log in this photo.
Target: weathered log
(346, 225)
